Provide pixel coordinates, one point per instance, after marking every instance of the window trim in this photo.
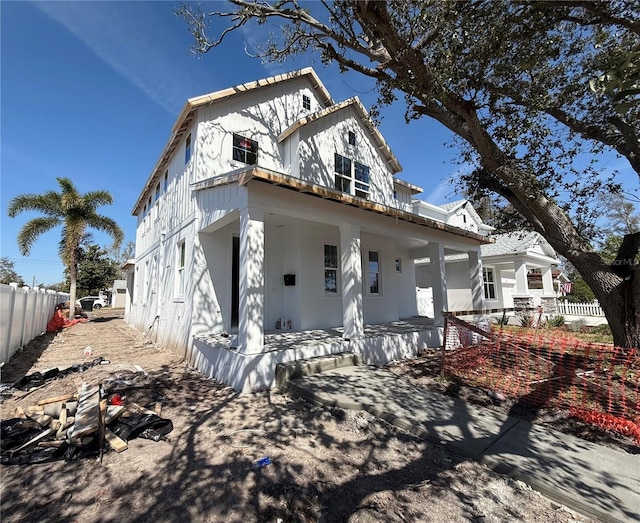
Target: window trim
(243, 151)
(327, 268)
(349, 176)
(181, 257)
(378, 272)
(187, 149)
(489, 284)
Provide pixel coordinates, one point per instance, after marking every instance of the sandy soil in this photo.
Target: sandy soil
(326, 464)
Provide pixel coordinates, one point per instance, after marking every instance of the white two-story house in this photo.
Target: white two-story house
(274, 209)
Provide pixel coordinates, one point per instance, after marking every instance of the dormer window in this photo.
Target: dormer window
(352, 138)
(245, 150)
(306, 102)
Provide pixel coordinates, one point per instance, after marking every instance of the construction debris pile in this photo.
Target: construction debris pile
(77, 425)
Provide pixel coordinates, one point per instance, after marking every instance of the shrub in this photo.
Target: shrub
(527, 321)
(578, 325)
(498, 320)
(555, 321)
(602, 329)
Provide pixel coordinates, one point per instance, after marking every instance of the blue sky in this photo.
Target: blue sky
(91, 90)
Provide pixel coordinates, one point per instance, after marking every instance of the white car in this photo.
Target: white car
(98, 301)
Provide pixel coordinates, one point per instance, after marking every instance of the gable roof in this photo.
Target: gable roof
(362, 113)
(517, 243)
(183, 123)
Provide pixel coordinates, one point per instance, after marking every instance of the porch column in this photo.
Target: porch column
(438, 282)
(352, 316)
(522, 301)
(547, 282)
(251, 292)
(477, 285)
(522, 285)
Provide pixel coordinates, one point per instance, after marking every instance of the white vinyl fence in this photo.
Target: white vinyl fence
(580, 309)
(24, 314)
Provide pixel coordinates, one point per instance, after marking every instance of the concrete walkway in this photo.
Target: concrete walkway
(592, 479)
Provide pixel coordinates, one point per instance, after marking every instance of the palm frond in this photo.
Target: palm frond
(32, 230)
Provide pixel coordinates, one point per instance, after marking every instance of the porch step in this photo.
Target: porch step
(286, 372)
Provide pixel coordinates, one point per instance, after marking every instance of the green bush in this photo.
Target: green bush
(498, 320)
(527, 321)
(555, 321)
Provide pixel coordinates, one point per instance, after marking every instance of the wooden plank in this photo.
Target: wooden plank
(32, 441)
(54, 443)
(158, 408)
(115, 442)
(113, 412)
(142, 410)
(56, 399)
(101, 427)
(18, 412)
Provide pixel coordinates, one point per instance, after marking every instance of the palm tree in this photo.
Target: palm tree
(74, 212)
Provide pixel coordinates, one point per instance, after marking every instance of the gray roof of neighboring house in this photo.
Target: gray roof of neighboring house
(516, 243)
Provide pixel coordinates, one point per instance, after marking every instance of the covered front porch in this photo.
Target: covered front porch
(218, 356)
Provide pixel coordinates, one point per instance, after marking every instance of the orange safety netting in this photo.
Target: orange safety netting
(597, 383)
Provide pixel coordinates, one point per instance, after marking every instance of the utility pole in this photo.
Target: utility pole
(34, 282)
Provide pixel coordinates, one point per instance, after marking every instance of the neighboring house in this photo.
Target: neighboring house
(519, 269)
(273, 207)
(119, 294)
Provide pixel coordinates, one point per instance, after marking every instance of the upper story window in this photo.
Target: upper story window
(361, 173)
(489, 283)
(331, 269)
(343, 173)
(157, 191)
(352, 138)
(350, 180)
(166, 181)
(245, 150)
(306, 102)
(187, 150)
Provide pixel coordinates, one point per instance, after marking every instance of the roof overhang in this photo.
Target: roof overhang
(258, 174)
(413, 188)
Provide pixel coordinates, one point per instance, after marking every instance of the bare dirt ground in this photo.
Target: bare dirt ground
(327, 464)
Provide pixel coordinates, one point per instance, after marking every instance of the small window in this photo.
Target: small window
(180, 274)
(157, 191)
(489, 283)
(374, 272)
(395, 195)
(145, 287)
(352, 138)
(464, 218)
(398, 265)
(306, 102)
(166, 181)
(187, 150)
(361, 173)
(245, 150)
(331, 269)
(343, 173)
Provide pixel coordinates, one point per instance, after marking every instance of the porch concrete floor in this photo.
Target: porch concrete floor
(285, 340)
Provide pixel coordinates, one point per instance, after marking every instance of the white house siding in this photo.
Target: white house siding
(322, 138)
(260, 115)
(403, 198)
(458, 284)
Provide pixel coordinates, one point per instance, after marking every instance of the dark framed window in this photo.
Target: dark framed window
(489, 283)
(331, 269)
(157, 192)
(374, 272)
(361, 173)
(306, 102)
(166, 180)
(187, 149)
(245, 150)
(352, 138)
(343, 173)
